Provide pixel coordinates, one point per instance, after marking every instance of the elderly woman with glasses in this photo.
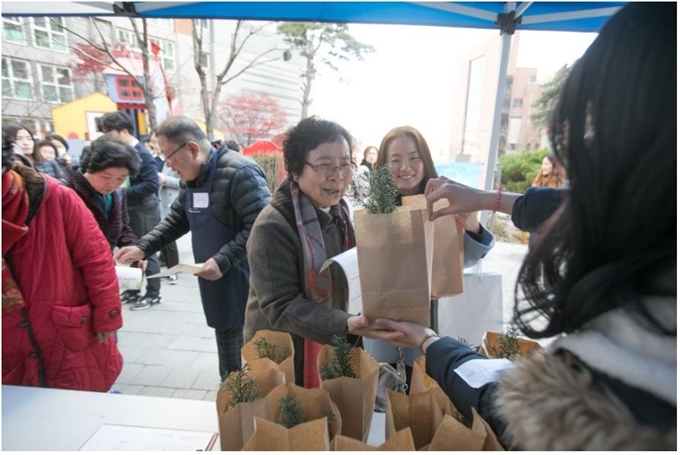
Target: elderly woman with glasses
(307, 222)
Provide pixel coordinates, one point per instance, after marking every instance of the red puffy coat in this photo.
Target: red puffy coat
(64, 268)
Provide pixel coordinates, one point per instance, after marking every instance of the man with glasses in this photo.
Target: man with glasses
(222, 195)
(142, 201)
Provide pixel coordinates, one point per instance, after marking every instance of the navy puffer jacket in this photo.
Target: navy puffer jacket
(239, 193)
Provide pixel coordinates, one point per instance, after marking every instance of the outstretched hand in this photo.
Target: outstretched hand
(462, 199)
(360, 325)
(413, 333)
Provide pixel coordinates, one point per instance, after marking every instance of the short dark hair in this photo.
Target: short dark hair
(106, 152)
(305, 137)
(115, 121)
(46, 143)
(179, 129)
(56, 137)
(233, 145)
(614, 128)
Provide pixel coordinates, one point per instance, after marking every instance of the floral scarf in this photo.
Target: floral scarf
(14, 212)
(318, 286)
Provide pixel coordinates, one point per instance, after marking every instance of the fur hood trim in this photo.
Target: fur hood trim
(549, 403)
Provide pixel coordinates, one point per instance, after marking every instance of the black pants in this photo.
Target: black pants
(229, 344)
(170, 255)
(143, 218)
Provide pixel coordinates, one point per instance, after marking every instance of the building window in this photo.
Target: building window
(13, 30)
(128, 37)
(128, 89)
(517, 102)
(205, 61)
(203, 23)
(49, 34)
(56, 84)
(167, 54)
(532, 78)
(16, 79)
(165, 23)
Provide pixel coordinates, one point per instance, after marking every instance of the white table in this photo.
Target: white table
(53, 419)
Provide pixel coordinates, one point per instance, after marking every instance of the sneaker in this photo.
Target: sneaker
(172, 279)
(146, 302)
(129, 296)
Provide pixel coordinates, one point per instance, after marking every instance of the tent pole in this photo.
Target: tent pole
(506, 40)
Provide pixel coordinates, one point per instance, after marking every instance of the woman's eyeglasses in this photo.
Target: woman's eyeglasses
(328, 170)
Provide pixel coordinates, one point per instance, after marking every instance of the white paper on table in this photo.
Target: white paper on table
(346, 265)
(479, 372)
(179, 268)
(129, 277)
(129, 438)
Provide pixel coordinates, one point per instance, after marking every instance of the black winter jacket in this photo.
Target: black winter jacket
(239, 193)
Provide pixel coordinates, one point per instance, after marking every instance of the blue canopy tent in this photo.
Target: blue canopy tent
(503, 16)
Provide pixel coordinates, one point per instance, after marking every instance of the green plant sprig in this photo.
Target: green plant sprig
(266, 350)
(382, 193)
(243, 388)
(291, 413)
(341, 364)
(508, 345)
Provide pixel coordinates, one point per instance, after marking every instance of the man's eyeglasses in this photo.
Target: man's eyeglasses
(167, 157)
(328, 169)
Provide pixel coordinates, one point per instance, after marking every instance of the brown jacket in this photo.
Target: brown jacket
(276, 301)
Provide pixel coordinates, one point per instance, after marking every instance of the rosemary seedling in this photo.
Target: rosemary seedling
(243, 388)
(291, 413)
(341, 364)
(508, 345)
(382, 193)
(270, 351)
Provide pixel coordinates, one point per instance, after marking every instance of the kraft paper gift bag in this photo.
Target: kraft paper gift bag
(402, 441)
(447, 255)
(422, 382)
(480, 426)
(277, 344)
(490, 345)
(236, 422)
(354, 397)
(269, 436)
(394, 253)
(418, 411)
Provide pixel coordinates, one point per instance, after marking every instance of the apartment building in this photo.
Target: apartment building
(473, 114)
(38, 56)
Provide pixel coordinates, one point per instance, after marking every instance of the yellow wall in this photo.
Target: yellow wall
(218, 134)
(73, 117)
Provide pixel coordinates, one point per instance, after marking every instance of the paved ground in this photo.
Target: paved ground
(169, 351)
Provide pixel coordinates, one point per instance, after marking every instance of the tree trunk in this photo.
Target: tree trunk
(147, 88)
(309, 76)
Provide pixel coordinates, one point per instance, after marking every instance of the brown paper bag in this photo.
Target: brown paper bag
(422, 382)
(401, 441)
(418, 411)
(394, 252)
(490, 343)
(453, 435)
(355, 397)
(481, 427)
(283, 343)
(236, 422)
(269, 436)
(447, 255)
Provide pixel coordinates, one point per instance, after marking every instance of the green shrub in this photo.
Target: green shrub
(272, 165)
(519, 170)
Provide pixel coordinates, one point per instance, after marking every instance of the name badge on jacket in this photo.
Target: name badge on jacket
(201, 200)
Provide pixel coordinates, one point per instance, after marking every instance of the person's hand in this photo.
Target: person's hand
(360, 325)
(469, 221)
(161, 178)
(210, 271)
(462, 199)
(413, 333)
(129, 254)
(142, 265)
(103, 336)
(66, 158)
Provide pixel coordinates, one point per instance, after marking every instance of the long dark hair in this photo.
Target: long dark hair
(614, 129)
(10, 131)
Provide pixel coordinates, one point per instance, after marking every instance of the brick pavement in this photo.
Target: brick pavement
(169, 350)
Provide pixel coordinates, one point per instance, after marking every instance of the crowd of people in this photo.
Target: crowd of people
(600, 278)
